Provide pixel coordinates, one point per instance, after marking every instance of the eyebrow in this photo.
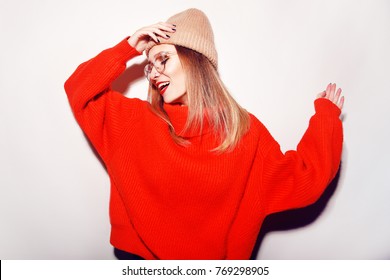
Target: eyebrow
(159, 53)
(154, 57)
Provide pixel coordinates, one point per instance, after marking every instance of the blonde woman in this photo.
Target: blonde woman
(193, 174)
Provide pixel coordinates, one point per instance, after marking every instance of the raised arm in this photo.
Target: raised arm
(298, 178)
(98, 109)
(95, 76)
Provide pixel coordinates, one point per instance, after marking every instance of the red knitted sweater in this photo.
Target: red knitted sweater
(174, 202)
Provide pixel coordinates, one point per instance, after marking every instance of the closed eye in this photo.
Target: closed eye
(164, 60)
(162, 57)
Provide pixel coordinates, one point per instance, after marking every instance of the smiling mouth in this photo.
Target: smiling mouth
(162, 87)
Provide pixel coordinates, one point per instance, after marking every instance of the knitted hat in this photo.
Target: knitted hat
(193, 31)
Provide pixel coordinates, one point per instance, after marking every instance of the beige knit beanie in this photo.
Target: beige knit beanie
(193, 31)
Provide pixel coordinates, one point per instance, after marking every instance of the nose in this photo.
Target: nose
(154, 74)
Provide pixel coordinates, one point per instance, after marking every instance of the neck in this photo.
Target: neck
(178, 115)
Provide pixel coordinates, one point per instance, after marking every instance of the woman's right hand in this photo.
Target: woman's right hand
(141, 37)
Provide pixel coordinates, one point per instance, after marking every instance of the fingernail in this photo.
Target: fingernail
(167, 35)
(174, 25)
(174, 29)
(158, 40)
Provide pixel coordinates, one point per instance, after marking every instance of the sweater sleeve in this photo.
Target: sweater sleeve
(298, 178)
(98, 109)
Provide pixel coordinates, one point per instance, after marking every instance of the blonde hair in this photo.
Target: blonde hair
(206, 93)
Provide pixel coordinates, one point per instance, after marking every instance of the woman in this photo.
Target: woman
(193, 175)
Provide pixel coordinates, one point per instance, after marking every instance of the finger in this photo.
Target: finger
(341, 103)
(328, 90)
(162, 27)
(331, 93)
(152, 33)
(147, 30)
(167, 26)
(337, 96)
(153, 36)
(321, 94)
(159, 32)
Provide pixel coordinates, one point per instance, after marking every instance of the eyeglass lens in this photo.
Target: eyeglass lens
(159, 64)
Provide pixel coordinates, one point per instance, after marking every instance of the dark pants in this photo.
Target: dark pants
(122, 255)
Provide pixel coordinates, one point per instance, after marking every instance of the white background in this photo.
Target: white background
(274, 56)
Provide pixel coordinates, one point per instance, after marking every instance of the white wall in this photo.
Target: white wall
(275, 56)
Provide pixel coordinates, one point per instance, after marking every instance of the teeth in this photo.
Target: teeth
(162, 85)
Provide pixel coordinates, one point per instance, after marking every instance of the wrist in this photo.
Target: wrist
(325, 106)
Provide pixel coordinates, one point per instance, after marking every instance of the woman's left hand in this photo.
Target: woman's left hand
(333, 95)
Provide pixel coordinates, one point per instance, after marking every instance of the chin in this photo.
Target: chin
(167, 100)
(173, 101)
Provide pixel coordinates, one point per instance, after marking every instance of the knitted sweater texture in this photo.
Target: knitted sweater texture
(174, 202)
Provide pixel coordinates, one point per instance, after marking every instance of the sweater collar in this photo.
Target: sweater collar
(178, 116)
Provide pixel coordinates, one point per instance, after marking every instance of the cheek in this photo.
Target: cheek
(182, 77)
(182, 80)
(178, 76)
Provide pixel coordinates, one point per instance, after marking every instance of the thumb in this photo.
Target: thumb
(321, 94)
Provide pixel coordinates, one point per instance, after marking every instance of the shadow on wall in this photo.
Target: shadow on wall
(296, 218)
(128, 77)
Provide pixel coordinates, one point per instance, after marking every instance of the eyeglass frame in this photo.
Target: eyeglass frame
(159, 68)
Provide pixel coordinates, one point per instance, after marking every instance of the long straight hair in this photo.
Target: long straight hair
(207, 97)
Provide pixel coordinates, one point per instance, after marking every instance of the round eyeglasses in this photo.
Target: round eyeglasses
(159, 63)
